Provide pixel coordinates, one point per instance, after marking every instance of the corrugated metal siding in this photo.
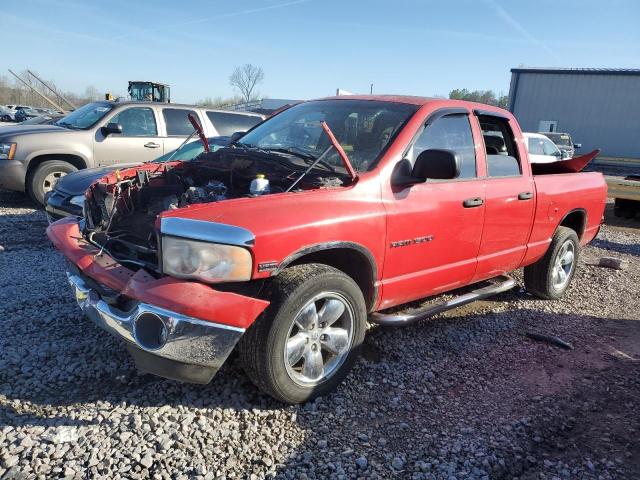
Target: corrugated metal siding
(599, 111)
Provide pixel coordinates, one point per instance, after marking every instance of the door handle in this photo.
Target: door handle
(525, 196)
(472, 202)
(152, 145)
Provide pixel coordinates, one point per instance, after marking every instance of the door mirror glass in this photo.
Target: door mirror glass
(436, 164)
(111, 128)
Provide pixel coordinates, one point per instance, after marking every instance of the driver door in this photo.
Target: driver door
(434, 228)
(139, 141)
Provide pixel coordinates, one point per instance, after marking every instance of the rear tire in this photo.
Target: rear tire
(550, 276)
(309, 337)
(44, 178)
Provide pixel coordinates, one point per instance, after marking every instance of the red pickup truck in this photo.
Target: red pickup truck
(321, 218)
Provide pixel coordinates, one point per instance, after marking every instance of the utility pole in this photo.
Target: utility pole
(44, 97)
(371, 89)
(73, 107)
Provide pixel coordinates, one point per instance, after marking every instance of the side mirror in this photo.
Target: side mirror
(436, 164)
(401, 175)
(432, 164)
(577, 145)
(235, 136)
(110, 128)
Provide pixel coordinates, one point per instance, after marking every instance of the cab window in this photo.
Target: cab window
(136, 122)
(452, 132)
(500, 147)
(549, 147)
(535, 146)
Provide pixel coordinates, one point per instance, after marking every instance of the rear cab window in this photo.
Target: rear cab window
(227, 123)
(177, 122)
(500, 147)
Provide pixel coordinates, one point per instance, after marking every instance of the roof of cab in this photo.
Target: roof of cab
(410, 99)
(421, 101)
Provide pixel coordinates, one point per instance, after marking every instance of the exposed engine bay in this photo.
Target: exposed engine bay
(121, 209)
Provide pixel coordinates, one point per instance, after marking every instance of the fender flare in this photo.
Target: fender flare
(343, 245)
(584, 213)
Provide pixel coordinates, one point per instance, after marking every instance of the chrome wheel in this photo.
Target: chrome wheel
(319, 339)
(563, 265)
(50, 181)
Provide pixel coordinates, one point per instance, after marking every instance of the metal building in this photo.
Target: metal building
(598, 107)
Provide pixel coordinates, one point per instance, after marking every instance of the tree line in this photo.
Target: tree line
(488, 97)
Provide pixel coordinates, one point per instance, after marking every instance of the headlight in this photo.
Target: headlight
(7, 151)
(209, 262)
(78, 200)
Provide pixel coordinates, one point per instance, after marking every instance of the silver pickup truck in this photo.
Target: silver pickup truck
(33, 158)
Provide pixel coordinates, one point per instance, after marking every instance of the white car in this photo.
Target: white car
(541, 149)
(7, 114)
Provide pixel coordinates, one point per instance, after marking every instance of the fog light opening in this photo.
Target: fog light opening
(150, 331)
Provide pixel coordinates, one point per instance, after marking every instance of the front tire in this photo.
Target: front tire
(549, 277)
(309, 337)
(44, 178)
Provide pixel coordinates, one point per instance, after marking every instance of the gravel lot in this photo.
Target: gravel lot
(466, 395)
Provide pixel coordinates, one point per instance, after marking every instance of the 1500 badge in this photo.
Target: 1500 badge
(404, 243)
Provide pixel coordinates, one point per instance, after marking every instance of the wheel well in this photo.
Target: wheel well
(576, 221)
(74, 160)
(350, 261)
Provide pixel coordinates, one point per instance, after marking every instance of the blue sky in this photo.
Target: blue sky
(308, 48)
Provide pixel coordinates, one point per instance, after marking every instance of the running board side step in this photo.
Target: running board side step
(405, 318)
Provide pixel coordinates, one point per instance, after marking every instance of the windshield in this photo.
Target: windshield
(86, 116)
(191, 150)
(364, 129)
(561, 139)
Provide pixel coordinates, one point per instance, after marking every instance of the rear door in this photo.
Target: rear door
(138, 142)
(509, 201)
(434, 228)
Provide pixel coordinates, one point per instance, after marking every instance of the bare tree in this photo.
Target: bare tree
(245, 79)
(91, 93)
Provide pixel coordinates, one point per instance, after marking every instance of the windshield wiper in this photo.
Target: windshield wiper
(295, 151)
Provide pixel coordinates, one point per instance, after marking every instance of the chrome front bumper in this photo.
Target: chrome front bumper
(162, 342)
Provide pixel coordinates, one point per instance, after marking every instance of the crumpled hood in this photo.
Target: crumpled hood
(76, 183)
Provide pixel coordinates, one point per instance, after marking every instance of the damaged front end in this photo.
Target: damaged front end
(122, 209)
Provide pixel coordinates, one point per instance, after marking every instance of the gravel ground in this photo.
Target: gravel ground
(466, 395)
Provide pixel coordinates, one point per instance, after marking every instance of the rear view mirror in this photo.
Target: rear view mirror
(436, 164)
(235, 136)
(111, 128)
